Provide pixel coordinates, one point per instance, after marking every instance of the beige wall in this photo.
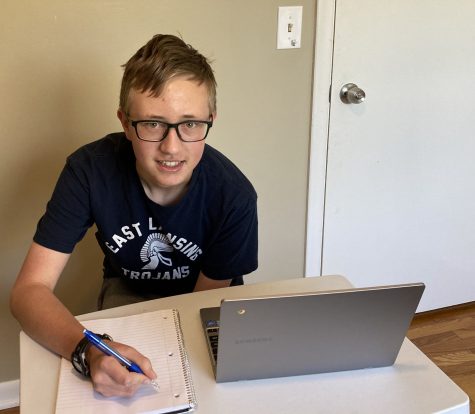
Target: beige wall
(59, 82)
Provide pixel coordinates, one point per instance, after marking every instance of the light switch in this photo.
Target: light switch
(289, 27)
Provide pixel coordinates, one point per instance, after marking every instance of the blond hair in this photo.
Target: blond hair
(161, 59)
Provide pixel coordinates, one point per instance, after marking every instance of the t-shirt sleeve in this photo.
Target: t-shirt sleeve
(68, 213)
(233, 252)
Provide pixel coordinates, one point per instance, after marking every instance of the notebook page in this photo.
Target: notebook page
(154, 334)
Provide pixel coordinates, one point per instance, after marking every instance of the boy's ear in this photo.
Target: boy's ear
(124, 120)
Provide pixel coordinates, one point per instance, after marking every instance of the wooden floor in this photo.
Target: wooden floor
(15, 410)
(447, 337)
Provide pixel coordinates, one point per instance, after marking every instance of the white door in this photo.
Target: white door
(399, 204)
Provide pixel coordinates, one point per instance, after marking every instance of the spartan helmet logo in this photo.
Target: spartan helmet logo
(152, 250)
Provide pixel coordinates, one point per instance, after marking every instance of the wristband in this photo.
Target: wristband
(78, 357)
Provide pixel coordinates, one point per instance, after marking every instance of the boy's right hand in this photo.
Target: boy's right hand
(110, 378)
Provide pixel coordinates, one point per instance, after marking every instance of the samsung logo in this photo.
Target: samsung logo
(253, 340)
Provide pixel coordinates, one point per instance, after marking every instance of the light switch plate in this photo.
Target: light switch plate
(289, 27)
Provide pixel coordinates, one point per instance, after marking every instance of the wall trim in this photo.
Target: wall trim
(9, 394)
(322, 80)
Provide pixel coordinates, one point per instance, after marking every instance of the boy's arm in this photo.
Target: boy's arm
(40, 313)
(45, 319)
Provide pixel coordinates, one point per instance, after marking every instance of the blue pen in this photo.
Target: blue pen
(102, 346)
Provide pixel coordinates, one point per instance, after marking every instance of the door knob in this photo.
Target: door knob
(351, 94)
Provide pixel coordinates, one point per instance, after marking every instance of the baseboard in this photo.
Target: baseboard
(9, 394)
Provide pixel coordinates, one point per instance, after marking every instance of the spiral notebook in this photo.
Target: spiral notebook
(156, 335)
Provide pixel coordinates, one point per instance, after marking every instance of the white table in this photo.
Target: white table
(413, 385)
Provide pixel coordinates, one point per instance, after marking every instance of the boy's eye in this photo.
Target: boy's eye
(153, 125)
(191, 124)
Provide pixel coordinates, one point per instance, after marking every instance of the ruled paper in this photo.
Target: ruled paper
(157, 336)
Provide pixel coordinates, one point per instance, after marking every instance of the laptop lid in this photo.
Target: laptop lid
(267, 337)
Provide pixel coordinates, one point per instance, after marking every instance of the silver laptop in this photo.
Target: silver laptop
(285, 335)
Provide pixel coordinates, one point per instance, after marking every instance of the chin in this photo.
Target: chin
(170, 182)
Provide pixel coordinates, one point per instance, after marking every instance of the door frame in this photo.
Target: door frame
(319, 134)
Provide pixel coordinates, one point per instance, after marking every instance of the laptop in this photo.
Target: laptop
(309, 333)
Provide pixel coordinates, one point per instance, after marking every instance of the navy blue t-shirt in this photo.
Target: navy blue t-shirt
(158, 250)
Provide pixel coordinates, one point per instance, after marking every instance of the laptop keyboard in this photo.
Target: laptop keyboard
(212, 334)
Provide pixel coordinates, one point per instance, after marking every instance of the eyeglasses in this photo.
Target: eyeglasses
(156, 131)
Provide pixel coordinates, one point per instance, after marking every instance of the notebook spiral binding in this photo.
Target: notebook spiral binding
(190, 390)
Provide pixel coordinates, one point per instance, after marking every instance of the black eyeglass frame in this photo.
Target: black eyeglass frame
(174, 126)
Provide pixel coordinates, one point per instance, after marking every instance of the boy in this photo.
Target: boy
(173, 215)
